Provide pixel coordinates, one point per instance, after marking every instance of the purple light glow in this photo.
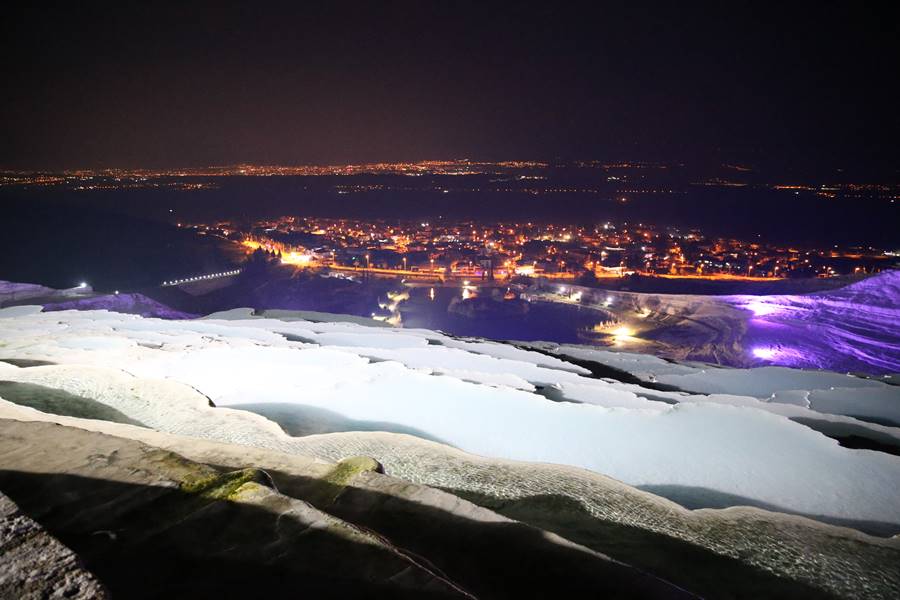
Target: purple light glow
(855, 328)
(780, 355)
(761, 309)
(765, 353)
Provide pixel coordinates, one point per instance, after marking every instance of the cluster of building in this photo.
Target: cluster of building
(502, 251)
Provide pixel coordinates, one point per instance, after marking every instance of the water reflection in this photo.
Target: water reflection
(390, 309)
(500, 313)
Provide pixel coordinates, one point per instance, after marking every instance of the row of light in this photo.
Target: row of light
(202, 277)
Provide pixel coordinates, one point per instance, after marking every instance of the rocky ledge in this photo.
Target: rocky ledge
(148, 522)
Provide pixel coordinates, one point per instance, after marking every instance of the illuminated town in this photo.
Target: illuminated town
(451, 250)
(439, 248)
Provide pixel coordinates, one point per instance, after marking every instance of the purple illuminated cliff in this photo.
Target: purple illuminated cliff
(856, 328)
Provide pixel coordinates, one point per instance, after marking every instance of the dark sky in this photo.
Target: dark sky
(784, 84)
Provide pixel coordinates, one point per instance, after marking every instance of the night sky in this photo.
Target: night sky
(809, 86)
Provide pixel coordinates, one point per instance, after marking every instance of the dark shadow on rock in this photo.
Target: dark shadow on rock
(153, 541)
(178, 532)
(488, 557)
(147, 541)
(876, 420)
(851, 435)
(58, 402)
(601, 371)
(656, 398)
(861, 442)
(693, 498)
(293, 337)
(300, 420)
(554, 394)
(687, 565)
(26, 362)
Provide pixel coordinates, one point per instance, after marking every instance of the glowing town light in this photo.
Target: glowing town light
(623, 332)
(83, 284)
(562, 289)
(297, 258)
(576, 296)
(525, 270)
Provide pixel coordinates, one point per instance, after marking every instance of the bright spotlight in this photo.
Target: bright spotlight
(765, 353)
